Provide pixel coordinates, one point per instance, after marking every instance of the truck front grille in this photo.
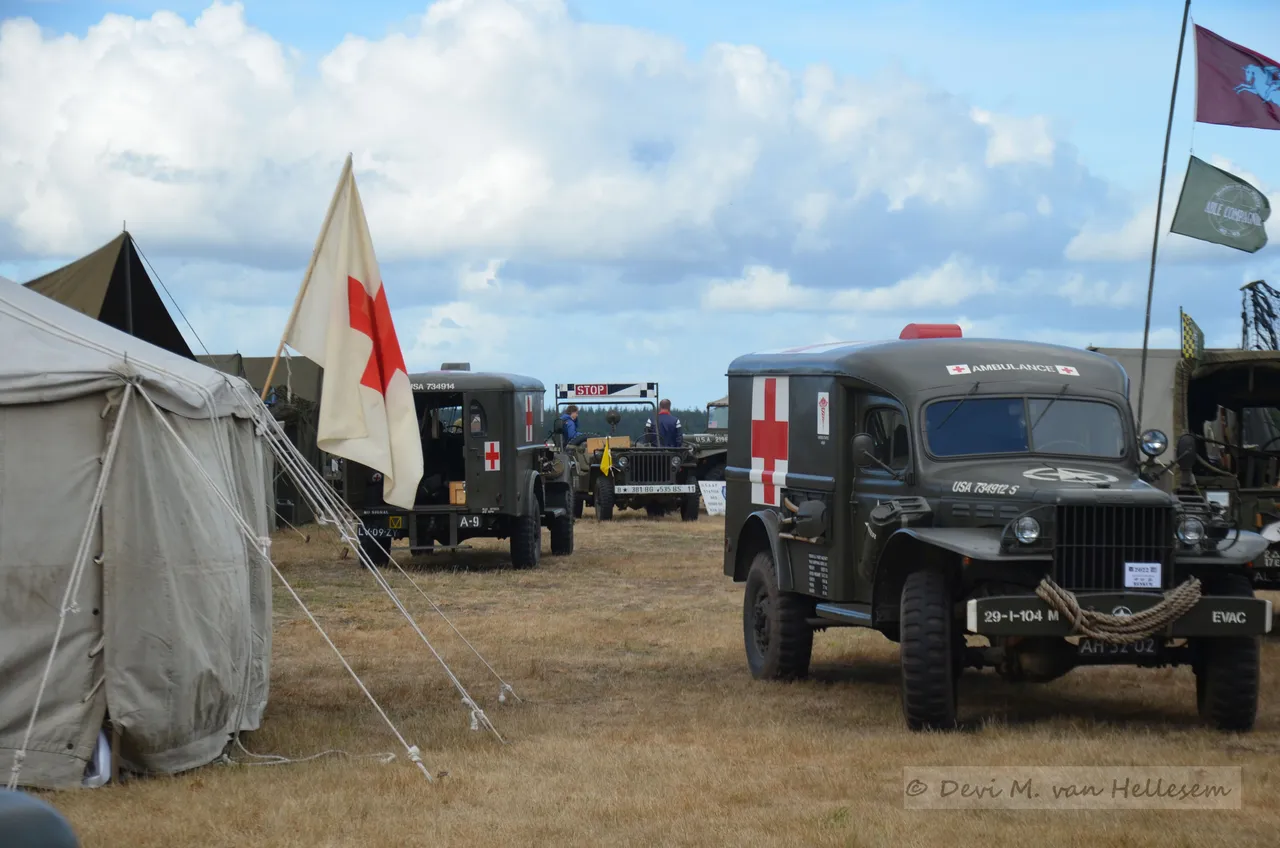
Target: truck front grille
(1093, 543)
(645, 467)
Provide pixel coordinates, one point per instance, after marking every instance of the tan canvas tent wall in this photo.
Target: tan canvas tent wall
(168, 630)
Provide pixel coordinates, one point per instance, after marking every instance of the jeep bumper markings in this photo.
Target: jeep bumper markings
(657, 489)
(1028, 615)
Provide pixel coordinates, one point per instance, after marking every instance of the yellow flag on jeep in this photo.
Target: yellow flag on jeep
(606, 461)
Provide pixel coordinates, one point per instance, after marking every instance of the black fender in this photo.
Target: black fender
(531, 495)
(909, 548)
(1239, 548)
(760, 530)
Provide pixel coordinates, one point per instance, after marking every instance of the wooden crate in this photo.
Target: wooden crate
(458, 492)
(596, 443)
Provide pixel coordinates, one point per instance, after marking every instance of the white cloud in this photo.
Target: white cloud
(765, 289)
(951, 283)
(1080, 291)
(759, 289)
(1016, 140)
(487, 127)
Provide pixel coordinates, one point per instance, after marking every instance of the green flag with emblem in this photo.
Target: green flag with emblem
(1219, 207)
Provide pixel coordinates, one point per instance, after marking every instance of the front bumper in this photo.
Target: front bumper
(656, 489)
(1028, 615)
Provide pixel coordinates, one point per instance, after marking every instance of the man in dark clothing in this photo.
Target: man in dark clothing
(670, 434)
(570, 419)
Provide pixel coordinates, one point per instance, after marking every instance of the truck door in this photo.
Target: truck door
(488, 459)
(885, 421)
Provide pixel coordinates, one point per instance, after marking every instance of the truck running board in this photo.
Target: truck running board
(849, 615)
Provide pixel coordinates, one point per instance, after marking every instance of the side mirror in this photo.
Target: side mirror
(613, 418)
(1186, 453)
(863, 450)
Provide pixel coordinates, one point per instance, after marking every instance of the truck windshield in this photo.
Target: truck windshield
(717, 417)
(1000, 425)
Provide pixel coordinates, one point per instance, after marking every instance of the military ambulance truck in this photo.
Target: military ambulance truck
(943, 490)
(491, 468)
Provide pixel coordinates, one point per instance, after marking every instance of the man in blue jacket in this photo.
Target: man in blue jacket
(670, 433)
(570, 419)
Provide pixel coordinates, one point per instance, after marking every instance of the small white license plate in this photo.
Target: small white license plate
(657, 489)
(1142, 575)
(1096, 647)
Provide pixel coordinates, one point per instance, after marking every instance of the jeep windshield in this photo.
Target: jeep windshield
(1011, 425)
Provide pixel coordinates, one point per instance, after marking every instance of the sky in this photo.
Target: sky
(635, 190)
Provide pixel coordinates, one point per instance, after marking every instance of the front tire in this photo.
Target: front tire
(691, 507)
(1227, 669)
(926, 648)
(604, 499)
(778, 639)
(526, 542)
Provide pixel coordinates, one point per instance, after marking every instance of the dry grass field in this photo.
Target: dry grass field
(641, 725)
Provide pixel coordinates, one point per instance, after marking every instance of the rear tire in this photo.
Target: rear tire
(526, 542)
(1227, 669)
(562, 527)
(926, 649)
(778, 639)
(578, 503)
(604, 499)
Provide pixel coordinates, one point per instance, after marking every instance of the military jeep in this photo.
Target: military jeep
(1229, 401)
(642, 475)
(977, 489)
(490, 469)
(711, 449)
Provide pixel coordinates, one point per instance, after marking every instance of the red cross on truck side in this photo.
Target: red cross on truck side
(770, 438)
(492, 456)
(528, 418)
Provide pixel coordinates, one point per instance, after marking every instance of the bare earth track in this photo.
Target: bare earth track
(642, 726)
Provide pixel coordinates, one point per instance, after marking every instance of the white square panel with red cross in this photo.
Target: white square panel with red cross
(492, 456)
(770, 438)
(528, 418)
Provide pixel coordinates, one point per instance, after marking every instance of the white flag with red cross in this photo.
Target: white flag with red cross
(342, 322)
(770, 438)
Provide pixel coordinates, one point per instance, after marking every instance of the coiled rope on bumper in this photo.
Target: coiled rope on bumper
(1119, 629)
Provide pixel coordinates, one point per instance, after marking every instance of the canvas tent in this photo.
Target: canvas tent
(111, 285)
(167, 630)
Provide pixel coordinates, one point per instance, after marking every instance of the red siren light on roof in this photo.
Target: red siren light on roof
(931, 331)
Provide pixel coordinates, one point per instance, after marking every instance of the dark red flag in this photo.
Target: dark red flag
(1234, 85)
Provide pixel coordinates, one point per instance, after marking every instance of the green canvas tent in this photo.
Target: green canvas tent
(111, 285)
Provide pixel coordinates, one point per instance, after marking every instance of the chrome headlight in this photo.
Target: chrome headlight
(1190, 530)
(1027, 529)
(675, 461)
(622, 462)
(1154, 443)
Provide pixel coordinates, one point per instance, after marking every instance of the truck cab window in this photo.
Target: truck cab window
(888, 431)
(478, 421)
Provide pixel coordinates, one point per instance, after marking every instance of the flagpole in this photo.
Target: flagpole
(306, 278)
(1155, 240)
